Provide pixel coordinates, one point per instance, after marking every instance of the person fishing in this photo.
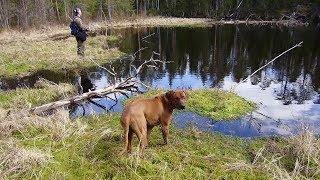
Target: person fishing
(78, 29)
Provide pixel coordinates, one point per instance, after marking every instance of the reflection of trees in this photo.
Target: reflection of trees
(213, 53)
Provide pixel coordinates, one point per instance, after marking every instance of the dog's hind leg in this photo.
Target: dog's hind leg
(143, 141)
(149, 129)
(130, 135)
(126, 140)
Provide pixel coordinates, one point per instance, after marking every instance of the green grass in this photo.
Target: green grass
(88, 147)
(24, 57)
(92, 152)
(212, 103)
(112, 38)
(218, 104)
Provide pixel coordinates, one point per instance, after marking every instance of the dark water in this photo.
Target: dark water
(287, 91)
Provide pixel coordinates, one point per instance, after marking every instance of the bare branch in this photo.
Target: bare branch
(141, 49)
(297, 45)
(148, 36)
(112, 73)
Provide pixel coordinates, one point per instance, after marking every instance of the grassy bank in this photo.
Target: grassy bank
(212, 103)
(20, 58)
(57, 147)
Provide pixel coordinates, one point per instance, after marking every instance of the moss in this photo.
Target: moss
(212, 103)
(218, 104)
(112, 38)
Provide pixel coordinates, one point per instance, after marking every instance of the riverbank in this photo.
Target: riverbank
(52, 31)
(57, 147)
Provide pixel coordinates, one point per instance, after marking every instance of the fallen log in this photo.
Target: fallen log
(123, 88)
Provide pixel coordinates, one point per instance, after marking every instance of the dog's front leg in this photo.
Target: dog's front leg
(165, 132)
(149, 129)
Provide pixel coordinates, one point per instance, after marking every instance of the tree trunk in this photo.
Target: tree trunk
(158, 5)
(4, 14)
(137, 2)
(99, 15)
(109, 9)
(144, 8)
(23, 14)
(57, 11)
(65, 9)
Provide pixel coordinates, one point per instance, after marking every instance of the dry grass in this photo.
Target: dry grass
(14, 123)
(298, 159)
(307, 150)
(20, 161)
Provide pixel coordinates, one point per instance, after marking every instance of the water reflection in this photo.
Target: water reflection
(206, 55)
(222, 56)
(247, 127)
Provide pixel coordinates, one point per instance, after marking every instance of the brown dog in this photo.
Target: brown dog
(141, 115)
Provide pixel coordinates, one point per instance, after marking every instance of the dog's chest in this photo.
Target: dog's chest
(157, 119)
(153, 120)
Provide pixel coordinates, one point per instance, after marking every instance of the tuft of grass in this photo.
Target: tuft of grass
(18, 161)
(296, 157)
(112, 38)
(213, 103)
(218, 104)
(23, 57)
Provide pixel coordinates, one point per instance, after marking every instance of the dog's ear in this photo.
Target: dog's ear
(170, 94)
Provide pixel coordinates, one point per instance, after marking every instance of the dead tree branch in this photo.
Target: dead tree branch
(110, 72)
(122, 88)
(297, 45)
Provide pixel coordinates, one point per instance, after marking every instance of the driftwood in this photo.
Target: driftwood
(124, 87)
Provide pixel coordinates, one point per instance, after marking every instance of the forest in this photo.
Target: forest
(23, 14)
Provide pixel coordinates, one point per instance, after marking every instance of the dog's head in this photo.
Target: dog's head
(177, 98)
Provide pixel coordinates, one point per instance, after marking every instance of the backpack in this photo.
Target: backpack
(74, 28)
